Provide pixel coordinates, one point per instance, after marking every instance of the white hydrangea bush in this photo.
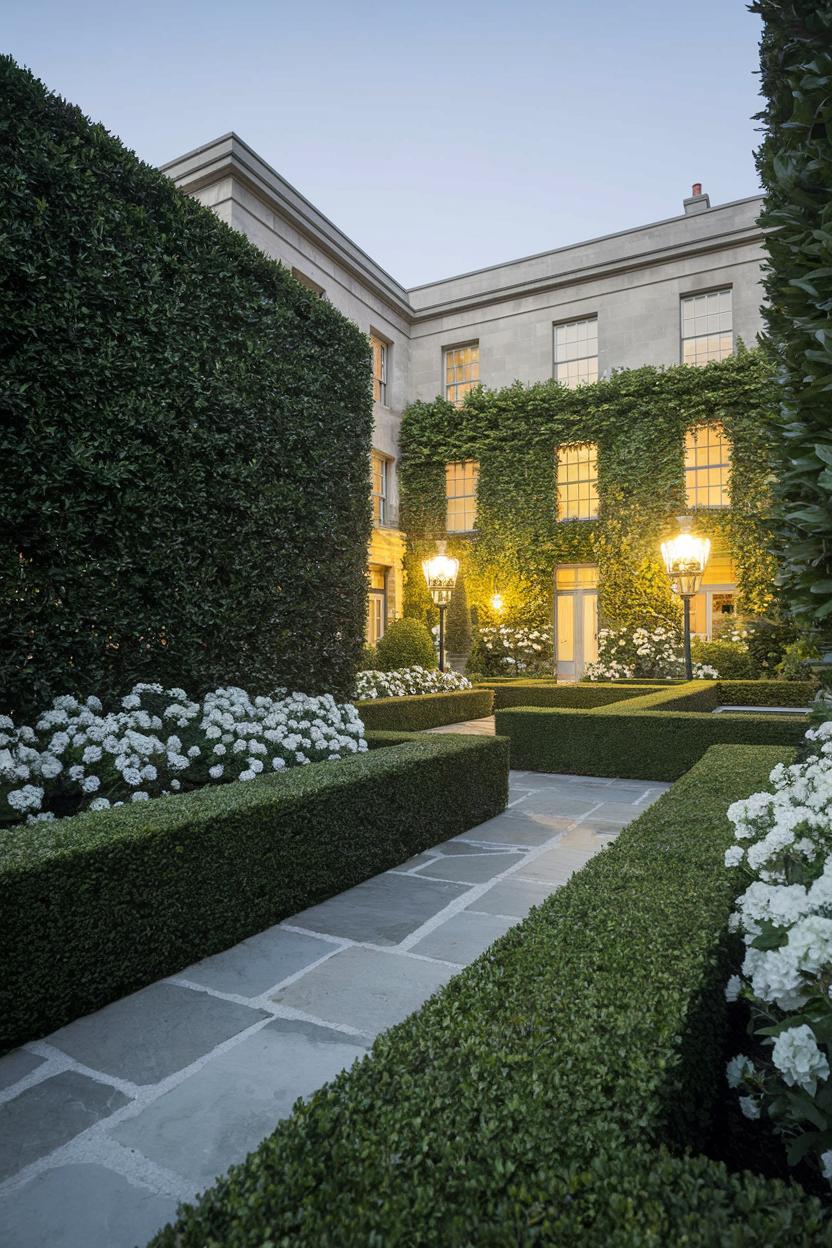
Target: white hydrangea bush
(783, 845)
(517, 649)
(404, 681)
(647, 653)
(78, 756)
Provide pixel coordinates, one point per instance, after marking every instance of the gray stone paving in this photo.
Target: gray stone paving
(108, 1123)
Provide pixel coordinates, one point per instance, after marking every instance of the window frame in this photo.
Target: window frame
(724, 465)
(384, 356)
(463, 464)
(384, 461)
(308, 282)
(592, 481)
(472, 385)
(564, 324)
(374, 597)
(698, 294)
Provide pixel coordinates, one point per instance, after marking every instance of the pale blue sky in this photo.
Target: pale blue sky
(441, 137)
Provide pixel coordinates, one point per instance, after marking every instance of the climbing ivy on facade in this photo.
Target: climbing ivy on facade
(638, 419)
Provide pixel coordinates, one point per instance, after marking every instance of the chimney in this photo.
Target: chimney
(696, 201)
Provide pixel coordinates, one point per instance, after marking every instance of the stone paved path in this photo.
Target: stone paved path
(107, 1123)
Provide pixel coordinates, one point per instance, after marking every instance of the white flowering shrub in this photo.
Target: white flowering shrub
(78, 756)
(784, 848)
(652, 654)
(407, 680)
(513, 650)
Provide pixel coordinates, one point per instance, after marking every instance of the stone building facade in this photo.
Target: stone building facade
(685, 289)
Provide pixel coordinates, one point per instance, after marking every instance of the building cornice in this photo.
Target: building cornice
(230, 156)
(710, 232)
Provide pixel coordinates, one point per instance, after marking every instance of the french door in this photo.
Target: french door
(576, 618)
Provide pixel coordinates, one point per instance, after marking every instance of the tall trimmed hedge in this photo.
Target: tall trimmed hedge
(795, 164)
(184, 434)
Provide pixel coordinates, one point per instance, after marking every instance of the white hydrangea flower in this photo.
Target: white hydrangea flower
(798, 1058)
(738, 1070)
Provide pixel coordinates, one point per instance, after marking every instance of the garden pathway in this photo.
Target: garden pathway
(108, 1123)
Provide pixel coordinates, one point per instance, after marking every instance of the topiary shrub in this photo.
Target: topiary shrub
(731, 660)
(458, 639)
(406, 643)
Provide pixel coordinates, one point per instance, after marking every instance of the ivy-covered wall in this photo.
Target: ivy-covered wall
(184, 434)
(638, 419)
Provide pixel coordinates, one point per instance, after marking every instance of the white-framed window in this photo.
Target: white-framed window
(577, 481)
(379, 476)
(376, 603)
(707, 326)
(707, 466)
(461, 495)
(308, 282)
(713, 611)
(461, 367)
(576, 351)
(380, 350)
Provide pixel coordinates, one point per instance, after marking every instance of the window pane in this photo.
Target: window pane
(461, 495)
(576, 352)
(707, 326)
(462, 371)
(577, 478)
(707, 467)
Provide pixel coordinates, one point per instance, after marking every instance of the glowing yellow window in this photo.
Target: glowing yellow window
(379, 349)
(707, 466)
(461, 495)
(378, 478)
(577, 482)
(462, 371)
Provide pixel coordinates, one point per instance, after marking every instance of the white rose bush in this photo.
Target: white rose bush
(404, 681)
(783, 845)
(649, 653)
(78, 756)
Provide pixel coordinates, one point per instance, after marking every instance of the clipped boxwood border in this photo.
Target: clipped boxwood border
(420, 711)
(534, 1099)
(101, 904)
(547, 693)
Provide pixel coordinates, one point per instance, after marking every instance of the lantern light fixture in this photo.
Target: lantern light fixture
(440, 572)
(685, 558)
(497, 603)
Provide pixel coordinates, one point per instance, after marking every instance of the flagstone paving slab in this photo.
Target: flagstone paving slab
(150, 1034)
(221, 1112)
(468, 869)
(464, 937)
(512, 897)
(368, 989)
(48, 1114)
(213, 1057)
(82, 1206)
(257, 964)
(383, 910)
(16, 1066)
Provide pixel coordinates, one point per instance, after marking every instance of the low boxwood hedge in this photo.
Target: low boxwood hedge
(640, 744)
(537, 1097)
(419, 711)
(547, 693)
(100, 904)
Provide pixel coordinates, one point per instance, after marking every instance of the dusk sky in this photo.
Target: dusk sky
(440, 137)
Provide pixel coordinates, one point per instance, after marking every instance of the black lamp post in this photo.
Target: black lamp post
(440, 574)
(685, 557)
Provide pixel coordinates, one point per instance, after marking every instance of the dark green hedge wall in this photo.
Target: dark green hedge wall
(184, 434)
(638, 419)
(419, 711)
(795, 164)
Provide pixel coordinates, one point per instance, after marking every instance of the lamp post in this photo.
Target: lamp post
(685, 557)
(440, 574)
